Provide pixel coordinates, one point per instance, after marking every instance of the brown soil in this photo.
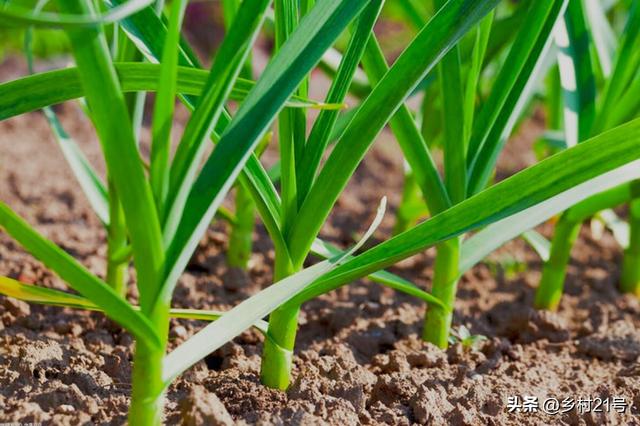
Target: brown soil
(359, 358)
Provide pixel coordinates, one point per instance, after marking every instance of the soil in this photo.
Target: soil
(359, 358)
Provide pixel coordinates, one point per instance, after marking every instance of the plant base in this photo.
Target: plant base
(147, 399)
(554, 271)
(630, 279)
(277, 356)
(437, 324)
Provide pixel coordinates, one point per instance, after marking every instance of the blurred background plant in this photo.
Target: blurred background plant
(46, 43)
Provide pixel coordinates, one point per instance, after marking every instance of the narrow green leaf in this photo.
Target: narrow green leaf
(437, 37)
(226, 67)
(503, 31)
(147, 31)
(11, 15)
(473, 77)
(603, 36)
(111, 119)
(46, 296)
(554, 107)
(615, 196)
(628, 107)
(163, 109)
(316, 32)
(126, 51)
(497, 115)
(229, 11)
(34, 92)
(326, 121)
(327, 251)
(409, 137)
(414, 12)
(619, 228)
(624, 70)
(268, 205)
(78, 278)
(576, 73)
(291, 124)
(587, 199)
(539, 243)
(449, 74)
(86, 176)
(330, 63)
(555, 175)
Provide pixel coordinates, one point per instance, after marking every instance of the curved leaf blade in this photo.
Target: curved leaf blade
(441, 33)
(12, 15)
(47, 296)
(302, 51)
(489, 239)
(497, 116)
(326, 251)
(256, 307)
(552, 176)
(78, 278)
(34, 92)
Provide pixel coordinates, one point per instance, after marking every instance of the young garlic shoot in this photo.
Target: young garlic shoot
(587, 115)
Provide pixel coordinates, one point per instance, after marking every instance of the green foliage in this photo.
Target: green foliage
(473, 65)
(46, 42)
(589, 109)
(507, 266)
(468, 341)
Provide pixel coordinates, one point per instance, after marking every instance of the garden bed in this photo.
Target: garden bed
(359, 358)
